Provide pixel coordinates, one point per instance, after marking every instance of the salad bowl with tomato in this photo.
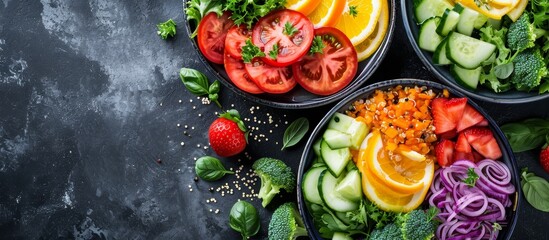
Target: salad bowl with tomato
(296, 77)
(433, 152)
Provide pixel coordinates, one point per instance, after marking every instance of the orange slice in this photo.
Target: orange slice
(326, 13)
(369, 46)
(302, 6)
(359, 19)
(490, 9)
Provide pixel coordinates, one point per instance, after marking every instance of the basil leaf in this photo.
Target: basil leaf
(526, 135)
(210, 168)
(244, 218)
(214, 88)
(536, 191)
(503, 71)
(194, 81)
(295, 132)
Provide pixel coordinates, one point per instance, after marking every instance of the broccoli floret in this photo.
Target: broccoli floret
(286, 223)
(417, 224)
(275, 175)
(529, 69)
(390, 232)
(521, 34)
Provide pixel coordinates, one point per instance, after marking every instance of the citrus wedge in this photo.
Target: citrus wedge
(489, 9)
(303, 6)
(359, 19)
(326, 13)
(369, 46)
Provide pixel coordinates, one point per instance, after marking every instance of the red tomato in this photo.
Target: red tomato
(271, 31)
(269, 78)
(212, 31)
(238, 75)
(236, 38)
(328, 72)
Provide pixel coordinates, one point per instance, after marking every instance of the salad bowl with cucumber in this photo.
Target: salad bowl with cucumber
(408, 159)
(495, 51)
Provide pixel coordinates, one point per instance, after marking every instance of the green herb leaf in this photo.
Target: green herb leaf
(526, 135)
(295, 132)
(352, 11)
(503, 71)
(248, 12)
(197, 9)
(317, 46)
(250, 51)
(536, 190)
(194, 81)
(244, 218)
(274, 52)
(233, 115)
(210, 168)
(289, 29)
(472, 177)
(166, 29)
(214, 88)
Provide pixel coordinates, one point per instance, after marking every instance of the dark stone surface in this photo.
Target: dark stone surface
(90, 147)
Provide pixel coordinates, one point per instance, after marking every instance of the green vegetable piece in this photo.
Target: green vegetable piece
(526, 135)
(197, 9)
(251, 51)
(248, 12)
(536, 190)
(295, 132)
(317, 46)
(530, 68)
(166, 29)
(521, 34)
(472, 177)
(210, 168)
(417, 225)
(352, 11)
(289, 29)
(503, 71)
(274, 52)
(244, 219)
(286, 223)
(274, 175)
(390, 232)
(197, 83)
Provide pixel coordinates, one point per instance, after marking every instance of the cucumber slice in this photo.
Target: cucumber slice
(448, 22)
(358, 131)
(340, 122)
(341, 236)
(428, 37)
(466, 77)
(351, 186)
(332, 199)
(336, 139)
(335, 159)
(425, 9)
(480, 21)
(439, 57)
(467, 52)
(310, 185)
(467, 18)
(316, 147)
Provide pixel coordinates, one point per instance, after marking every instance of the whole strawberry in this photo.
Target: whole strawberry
(544, 158)
(228, 134)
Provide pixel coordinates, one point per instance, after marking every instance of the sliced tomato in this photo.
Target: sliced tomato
(236, 38)
(238, 75)
(212, 31)
(269, 78)
(271, 31)
(330, 71)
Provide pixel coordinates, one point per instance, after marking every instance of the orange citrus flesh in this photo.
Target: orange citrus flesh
(489, 9)
(302, 6)
(359, 19)
(326, 13)
(369, 46)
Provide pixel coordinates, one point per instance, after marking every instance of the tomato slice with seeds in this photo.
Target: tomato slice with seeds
(289, 31)
(330, 71)
(212, 31)
(238, 75)
(269, 78)
(236, 38)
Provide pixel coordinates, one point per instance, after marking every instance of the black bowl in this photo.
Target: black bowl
(443, 73)
(298, 97)
(308, 155)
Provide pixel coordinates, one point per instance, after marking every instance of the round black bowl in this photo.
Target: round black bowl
(443, 73)
(299, 98)
(308, 155)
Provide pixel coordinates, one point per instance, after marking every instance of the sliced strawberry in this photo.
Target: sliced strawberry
(464, 156)
(483, 123)
(470, 117)
(483, 141)
(462, 145)
(444, 151)
(454, 108)
(544, 158)
(442, 122)
(477, 157)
